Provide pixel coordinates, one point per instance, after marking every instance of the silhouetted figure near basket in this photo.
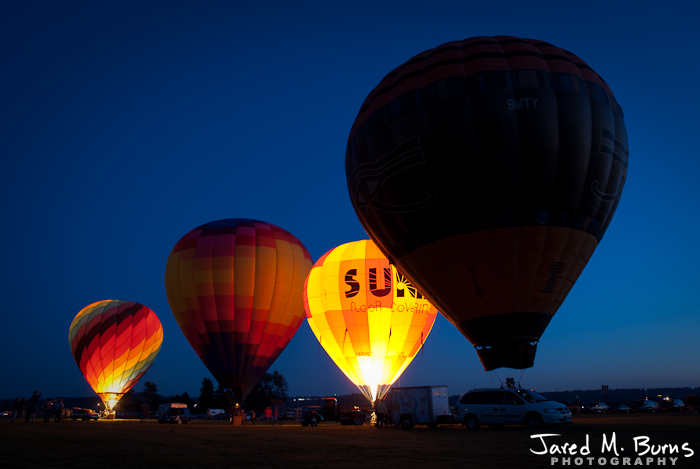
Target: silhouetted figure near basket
(47, 409)
(15, 410)
(32, 407)
(380, 411)
(59, 410)
(22, 410)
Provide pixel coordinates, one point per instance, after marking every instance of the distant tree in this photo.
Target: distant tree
(151, 396)
(206, 395)
(183, 398)
(271, 388)
(129, 402)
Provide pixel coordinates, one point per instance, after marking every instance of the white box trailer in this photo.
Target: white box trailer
(214, 413)
(170, 405)
(421, 405)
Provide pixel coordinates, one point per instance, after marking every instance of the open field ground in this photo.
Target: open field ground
(131, 444)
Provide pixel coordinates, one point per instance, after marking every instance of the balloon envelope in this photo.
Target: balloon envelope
(487, 170)
(235, 287)
(114, 343)
(368, 317)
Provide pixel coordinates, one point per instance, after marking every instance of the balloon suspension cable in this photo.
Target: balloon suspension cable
(421, 345)
(494, 373)
(365, 390)
(509, 382)
(344, 337)
(110, 399)
(382, 390)
(389, 339)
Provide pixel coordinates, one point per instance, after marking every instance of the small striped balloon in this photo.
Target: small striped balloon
(114, 343)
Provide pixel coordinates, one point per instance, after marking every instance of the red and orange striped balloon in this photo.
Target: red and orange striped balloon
(236, 287)
(114, 343)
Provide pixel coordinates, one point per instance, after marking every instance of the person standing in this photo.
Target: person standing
(381, 412)
(22, 409)
(47, 409)
(32, 407)
(15, 410)
(59, 410)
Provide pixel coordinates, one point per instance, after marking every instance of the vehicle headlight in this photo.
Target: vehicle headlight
(551, 411)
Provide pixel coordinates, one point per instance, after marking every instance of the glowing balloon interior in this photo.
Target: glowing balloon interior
(235, 287)
(370, 320)
(487, 170)
(114, 343)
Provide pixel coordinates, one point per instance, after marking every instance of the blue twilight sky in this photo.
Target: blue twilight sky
(125, 124)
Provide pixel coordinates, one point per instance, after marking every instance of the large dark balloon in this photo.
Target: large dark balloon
(487, 171)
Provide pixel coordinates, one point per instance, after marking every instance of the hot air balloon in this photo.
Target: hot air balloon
(114, 343)
(235, 287)
(368, 317)
(488, 170)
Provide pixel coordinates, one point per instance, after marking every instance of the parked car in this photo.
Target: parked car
(672, 405)
(173, 417)
(84, 414)
(692, 403)
(618, 408)
(574, 407)
(177, 413)
(597, 408)
(509, 406)
(644, 405)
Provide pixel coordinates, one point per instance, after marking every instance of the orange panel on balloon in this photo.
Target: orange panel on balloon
(511, 281)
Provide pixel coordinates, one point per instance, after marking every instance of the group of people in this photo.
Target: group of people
(28, 408)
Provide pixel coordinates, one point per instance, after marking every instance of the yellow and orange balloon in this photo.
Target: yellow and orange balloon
(114, 343)
(370, 320)
(235, 288)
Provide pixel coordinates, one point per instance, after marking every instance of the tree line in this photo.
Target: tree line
(272, 388)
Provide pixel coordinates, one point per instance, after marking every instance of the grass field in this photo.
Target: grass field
(131, 444)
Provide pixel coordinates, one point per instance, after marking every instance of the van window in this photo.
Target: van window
(475, 398)
(494, 398)
(511, 399)
(530, 396)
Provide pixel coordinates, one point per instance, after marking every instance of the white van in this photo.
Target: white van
(509, 406)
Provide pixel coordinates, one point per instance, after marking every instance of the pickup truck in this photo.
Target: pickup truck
(328, 409)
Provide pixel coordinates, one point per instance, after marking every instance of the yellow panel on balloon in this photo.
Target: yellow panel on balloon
(370, 320)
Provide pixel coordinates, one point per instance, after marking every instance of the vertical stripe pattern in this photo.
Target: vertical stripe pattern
(235, 288)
